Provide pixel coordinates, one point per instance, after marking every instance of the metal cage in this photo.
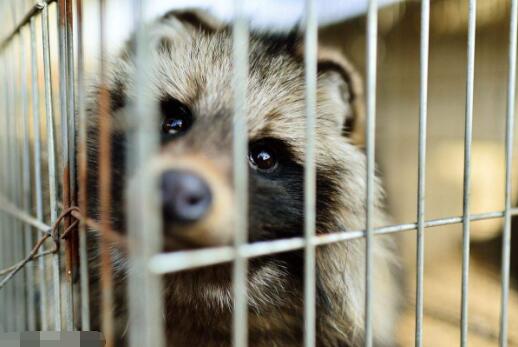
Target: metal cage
(41, 206)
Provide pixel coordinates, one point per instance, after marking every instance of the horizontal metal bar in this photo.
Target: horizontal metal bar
(276, 246)
(178, 261)
(23, 216)
(183, 260)
(35, 9)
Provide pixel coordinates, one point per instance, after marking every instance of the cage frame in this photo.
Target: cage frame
(21, 222)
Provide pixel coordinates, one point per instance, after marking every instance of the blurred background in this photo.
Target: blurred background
(397, 149)
(396, 145)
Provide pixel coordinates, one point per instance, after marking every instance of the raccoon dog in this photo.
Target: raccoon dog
(190, 59)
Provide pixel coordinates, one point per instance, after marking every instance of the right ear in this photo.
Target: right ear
(349, 83)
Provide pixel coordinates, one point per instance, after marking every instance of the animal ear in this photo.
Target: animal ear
(345, 85)
(180, 23)
(161, 33)
(194, 19)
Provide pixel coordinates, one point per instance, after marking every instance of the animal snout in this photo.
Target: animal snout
(186, 197)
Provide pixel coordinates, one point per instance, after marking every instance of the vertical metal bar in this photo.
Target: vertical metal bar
(105, 186)
(145, 228)
(70, 100)
(19, 189)
(12, 222)
(10, 307)
(26, 200)
(21, 177)
(72, 241)
(240, 152)
(4, 183)
(5, 172)
(506, 242)
(17, 250)
(7, 293)
(372, 41)
(10, 180)
(71, 96)
(38, 191)
(3, 179)
(421, 193)
(71, 195)
(310, 61)
(51, 161)
(11, 109)
(63, 87)
(11, 158)
(65, 94)
(83, 173)
(6, 177)
(470, 75)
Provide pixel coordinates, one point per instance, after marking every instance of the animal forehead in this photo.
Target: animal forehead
(199, 72)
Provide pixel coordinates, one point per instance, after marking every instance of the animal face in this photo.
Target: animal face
(190, 70)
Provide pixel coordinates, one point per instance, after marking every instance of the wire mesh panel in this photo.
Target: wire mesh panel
(58, 197)
(28, 191)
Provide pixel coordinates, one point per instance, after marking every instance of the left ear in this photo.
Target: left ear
(339, 78)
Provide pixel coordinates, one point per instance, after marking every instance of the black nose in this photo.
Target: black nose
(185, 196)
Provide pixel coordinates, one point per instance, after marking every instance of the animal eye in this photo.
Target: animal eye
(263, 157)
(177, 118)
(175, 124)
